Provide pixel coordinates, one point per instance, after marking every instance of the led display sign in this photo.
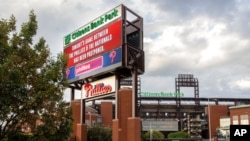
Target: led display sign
(111, 43)
(94, 44)
(99, 50)
(105, 62)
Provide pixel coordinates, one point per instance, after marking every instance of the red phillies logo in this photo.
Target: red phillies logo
(98, 89)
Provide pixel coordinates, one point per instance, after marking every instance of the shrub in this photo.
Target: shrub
(99, 133)
(178, 135)
(155, 135)
(18, 136)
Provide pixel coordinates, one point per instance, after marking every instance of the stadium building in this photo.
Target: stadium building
(201, 117)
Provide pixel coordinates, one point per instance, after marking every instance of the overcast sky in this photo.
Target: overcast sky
(207, 38)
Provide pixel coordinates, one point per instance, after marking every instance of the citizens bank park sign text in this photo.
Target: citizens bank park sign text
(93, 25)
(99, 88)
(95, 47)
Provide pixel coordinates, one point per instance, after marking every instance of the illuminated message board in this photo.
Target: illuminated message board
(95, 47)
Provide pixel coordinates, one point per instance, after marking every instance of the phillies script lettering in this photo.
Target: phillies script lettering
(98, 89)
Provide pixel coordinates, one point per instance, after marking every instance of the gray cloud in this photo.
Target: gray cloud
(209, 39)
(220, 9)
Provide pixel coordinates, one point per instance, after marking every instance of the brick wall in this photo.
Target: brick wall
(238, 112)
(107, 113)
(76, 107)
(215, 112)
(124, 110)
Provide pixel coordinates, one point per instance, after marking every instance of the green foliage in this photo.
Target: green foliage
(155, 135)
(17, 136)
(99, 133)
(31, 85)
(179, 135)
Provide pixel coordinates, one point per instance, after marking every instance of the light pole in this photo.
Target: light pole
(82, 113)
(151, 132)
(209, 120)
(179, 123)
(90, 119)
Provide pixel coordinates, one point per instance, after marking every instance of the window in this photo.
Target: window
(235, 120)
(244, 120)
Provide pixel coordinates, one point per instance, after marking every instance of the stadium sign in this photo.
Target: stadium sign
(93, 25)
(99, 88)
(161, 94)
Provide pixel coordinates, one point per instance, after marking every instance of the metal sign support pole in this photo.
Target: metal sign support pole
(134, 92)
(117, 83)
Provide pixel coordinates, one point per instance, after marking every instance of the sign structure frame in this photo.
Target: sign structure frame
(110, 44)
(119, 53)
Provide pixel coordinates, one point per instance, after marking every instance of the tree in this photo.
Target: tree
(32, 84)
